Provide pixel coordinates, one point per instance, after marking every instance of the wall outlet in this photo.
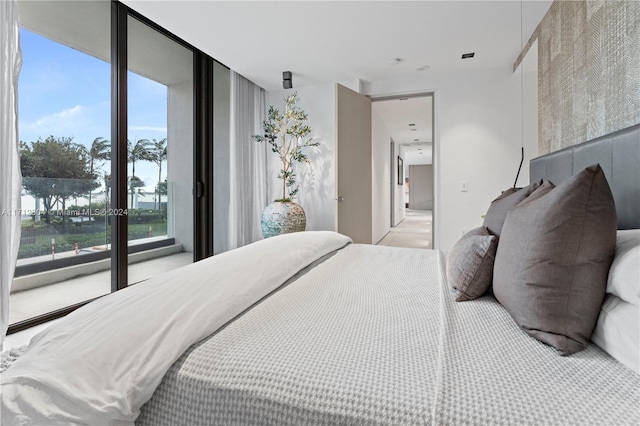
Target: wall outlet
(464, 187)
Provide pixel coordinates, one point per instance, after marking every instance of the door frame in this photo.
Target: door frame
(392, 182)
(435, 147)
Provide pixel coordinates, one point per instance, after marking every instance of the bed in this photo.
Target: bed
(331, 333)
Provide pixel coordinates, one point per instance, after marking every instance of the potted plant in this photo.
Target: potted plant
(287, 133)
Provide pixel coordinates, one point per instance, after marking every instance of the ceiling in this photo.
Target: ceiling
(398, 115)
(332, 41)
(84, 26)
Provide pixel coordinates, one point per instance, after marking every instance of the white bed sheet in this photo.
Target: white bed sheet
(98, 365)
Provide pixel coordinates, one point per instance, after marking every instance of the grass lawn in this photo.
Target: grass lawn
(37, 241)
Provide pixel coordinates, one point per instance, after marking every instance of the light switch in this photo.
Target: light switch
(463, 186)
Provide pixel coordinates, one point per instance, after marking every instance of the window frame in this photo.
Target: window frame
(202, 158)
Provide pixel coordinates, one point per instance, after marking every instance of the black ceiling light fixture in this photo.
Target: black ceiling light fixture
(468, 55)
(287, 80)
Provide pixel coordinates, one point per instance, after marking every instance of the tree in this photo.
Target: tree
(106, 178)
(134, 182)
(55, 170)
(286, 132)
(100, 151)
(161, 189)
(159, 156)
(142, 150)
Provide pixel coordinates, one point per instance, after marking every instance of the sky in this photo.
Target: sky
(67, 93)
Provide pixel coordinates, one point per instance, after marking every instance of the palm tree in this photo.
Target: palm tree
(159, 155)
(100, 151)
(134, 182)
(107, 186)
(142, 150)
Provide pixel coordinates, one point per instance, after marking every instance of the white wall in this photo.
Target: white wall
(318, 179)
(380, 178)
(478, 139)
(180, 164)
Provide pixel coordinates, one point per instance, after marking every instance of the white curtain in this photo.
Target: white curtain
(248, 162)
(10, 179)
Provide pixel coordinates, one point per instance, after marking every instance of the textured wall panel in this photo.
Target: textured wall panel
(589, 71)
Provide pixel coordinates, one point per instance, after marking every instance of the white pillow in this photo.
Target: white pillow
(624, 275)
(618, 331)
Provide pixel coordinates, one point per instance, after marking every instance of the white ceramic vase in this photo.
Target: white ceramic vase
(282, 218)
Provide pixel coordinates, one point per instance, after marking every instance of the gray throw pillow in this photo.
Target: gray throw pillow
(507, 201)
(553, 259)
(470, 264)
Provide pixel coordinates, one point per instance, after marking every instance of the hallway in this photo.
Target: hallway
(415, 231)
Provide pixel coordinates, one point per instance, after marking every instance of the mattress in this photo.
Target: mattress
(348, 342)
(493, 373)
(371, 335)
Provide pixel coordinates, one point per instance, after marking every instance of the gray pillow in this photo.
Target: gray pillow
(470, 264)
(553, 259)
(507, 201)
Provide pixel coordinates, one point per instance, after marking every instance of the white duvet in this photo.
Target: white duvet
(101, 363)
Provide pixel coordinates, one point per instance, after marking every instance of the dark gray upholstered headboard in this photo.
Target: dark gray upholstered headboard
(619, 156)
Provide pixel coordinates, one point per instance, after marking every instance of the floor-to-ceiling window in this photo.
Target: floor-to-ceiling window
(108, 186)
(64, 128)
(160, 141)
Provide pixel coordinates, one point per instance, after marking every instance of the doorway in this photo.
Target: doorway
(406, 123)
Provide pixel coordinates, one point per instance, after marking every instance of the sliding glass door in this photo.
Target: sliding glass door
(159, 151)
(64, 128)
(107, 130)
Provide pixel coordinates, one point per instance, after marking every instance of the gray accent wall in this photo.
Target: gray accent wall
(589, 71)
(421, 187)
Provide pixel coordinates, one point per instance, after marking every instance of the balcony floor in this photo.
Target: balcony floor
(30, 303)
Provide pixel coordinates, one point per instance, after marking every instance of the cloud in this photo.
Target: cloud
(82, 122)
(67, 118)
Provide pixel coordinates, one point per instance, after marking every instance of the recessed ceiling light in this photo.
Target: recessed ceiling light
(423, 68)
(403, 99)
(468, 55)
(412, 124)
(417, 140)
(421, 152)
(413, 130)
(394, 61)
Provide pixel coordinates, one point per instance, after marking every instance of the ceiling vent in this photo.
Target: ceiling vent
(468, 55)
